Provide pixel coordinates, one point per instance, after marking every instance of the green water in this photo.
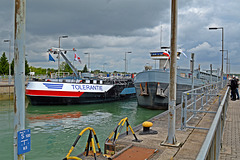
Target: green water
(52, 139)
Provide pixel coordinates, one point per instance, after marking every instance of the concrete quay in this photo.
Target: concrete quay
(6, 91)
(231, 135)
(191, 140)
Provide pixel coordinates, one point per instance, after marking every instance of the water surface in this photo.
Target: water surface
(51, 138)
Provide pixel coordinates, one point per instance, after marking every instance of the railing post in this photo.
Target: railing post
(185, 111)
(202, 99)
(219, 100)
(219, 146)
(194, 104)
(207, 98)
(182, 112)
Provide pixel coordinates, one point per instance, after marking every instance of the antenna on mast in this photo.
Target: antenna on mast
(161, 36)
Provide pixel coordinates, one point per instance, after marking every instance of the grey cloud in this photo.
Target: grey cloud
(108, 28)
(94, 17)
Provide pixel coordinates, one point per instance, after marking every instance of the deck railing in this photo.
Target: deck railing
(199, 98)
(213, 141)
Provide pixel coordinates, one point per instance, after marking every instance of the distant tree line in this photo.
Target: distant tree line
(64, 67)
(4, 66)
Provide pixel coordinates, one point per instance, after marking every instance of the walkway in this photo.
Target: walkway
(190, 139)
(231, 136)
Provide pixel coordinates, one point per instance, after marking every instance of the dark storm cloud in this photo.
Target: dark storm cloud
(109, 28)
(84, 17)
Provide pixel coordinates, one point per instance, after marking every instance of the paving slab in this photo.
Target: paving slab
(231, 135)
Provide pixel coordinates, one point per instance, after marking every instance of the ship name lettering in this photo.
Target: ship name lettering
(87, 87)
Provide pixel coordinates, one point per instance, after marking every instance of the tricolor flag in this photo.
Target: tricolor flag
(184, 54)
(50, 58)
(77, 58)
(166, 54)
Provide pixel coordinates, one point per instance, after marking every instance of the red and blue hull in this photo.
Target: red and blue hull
(52, 93)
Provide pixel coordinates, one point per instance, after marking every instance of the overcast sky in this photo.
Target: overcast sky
(108, 28)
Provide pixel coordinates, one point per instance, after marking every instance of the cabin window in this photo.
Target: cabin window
(87, 81)
(183, 75)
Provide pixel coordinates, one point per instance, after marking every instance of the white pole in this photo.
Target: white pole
(19, 72)
(171, 139)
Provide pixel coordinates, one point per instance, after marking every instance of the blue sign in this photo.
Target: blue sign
(24, 141)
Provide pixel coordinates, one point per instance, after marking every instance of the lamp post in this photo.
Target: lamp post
(215, 28)
(59, 52)
(229, 66)
(9, 70)
(88, 61)
(171, 138)
(126, 61)
(226, 62)
(104, 65)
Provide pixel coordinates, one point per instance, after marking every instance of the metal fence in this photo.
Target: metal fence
(213, 141)
(200, 97)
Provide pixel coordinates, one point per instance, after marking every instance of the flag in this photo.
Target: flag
(166, 54)
(184, 54)
(51, 58)
(77, 58)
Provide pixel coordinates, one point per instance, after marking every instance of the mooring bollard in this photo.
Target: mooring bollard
(146, 128)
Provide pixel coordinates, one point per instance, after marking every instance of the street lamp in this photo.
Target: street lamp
(229, 66)
(104, 65)
(59, 52)
(215, 28)
(88, 61)
(9, 70)
(226, 63)
(126, 61)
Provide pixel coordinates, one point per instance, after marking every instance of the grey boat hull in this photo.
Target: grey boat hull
(154, 101)
(152, 88)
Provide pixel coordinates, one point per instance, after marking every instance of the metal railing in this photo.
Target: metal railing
(213, 142)
(199, 99)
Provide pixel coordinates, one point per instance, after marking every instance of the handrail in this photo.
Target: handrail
(215, 132)
(203, 93)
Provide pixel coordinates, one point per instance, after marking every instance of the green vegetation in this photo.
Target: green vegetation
(4, 65)
(64, 67)
(40, 71)
(85, 68)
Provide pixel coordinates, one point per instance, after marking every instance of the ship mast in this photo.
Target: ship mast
(160, 44)
(61, 52)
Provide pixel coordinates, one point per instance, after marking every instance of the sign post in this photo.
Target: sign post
(24, 141)
(19, 73)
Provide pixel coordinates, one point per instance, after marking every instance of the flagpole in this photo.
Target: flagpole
(73, 63)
